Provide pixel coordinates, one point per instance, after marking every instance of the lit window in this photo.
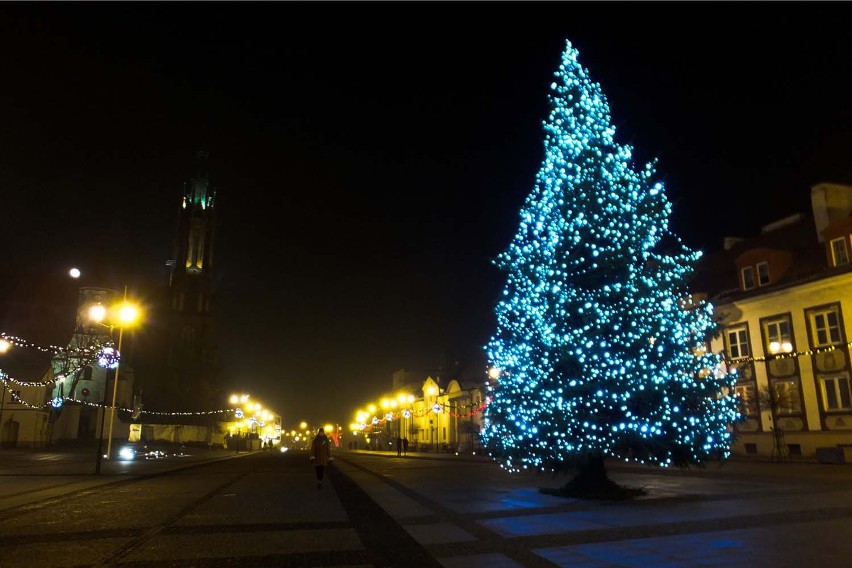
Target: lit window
(748, 278)
(762, 273)
(786, 397)
(826, 327)
(839, 253)
(778, 336)
(747, 398)
(836, 393)
(738, 342)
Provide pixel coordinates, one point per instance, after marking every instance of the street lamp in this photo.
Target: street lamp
(126, 314)
(4, 347)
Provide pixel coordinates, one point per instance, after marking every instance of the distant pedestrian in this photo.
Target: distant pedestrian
(405, 446)
(398, 446)
(320, 455)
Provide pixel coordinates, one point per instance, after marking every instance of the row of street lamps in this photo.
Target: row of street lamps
(251, 416)
(389, 406)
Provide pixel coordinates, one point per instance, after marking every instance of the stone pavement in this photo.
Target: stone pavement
(29, 475)
(465, 514)
(744, 512)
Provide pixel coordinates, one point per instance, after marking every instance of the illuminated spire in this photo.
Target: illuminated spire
(198, 191)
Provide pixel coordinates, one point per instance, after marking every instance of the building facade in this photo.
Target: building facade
(85, 379)
(432, 414)
(782, 300)
(68, 395)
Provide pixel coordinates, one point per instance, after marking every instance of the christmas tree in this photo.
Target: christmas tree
(599, 346)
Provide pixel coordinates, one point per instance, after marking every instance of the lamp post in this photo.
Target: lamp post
(4, 347)
(101, 438)
(127, 314)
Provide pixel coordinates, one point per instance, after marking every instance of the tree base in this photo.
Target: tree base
(592, 482)
(607, 490)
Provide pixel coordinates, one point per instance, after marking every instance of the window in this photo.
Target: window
(839, 254)
(835, 391)
(786, 396)
(738, 342)
(763, 273)
(748, 278)
(778, 336)
(747, 398)
(826, 327)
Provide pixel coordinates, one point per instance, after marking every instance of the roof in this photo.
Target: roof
(717, 275)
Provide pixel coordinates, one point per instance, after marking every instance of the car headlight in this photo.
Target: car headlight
(126, 453)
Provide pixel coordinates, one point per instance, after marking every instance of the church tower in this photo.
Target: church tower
(191, 350)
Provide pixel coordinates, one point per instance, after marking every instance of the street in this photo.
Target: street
(376, 509)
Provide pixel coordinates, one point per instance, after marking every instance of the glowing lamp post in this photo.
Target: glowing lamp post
(4, 347)
(125, 314)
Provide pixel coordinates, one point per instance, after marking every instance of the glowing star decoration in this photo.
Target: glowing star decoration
(436, 408)
(238, 413)
(597, 339)
(389, 417)
(108, 358)
(406, 413)
(56, 402)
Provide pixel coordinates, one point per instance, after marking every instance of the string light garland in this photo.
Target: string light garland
(18, 342)
(596, 334)
(101, 352)
(791, 355)
(60, 401)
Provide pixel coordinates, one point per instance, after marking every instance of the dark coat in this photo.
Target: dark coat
(320, 450)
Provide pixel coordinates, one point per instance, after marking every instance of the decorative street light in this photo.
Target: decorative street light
(4, 347)
(126, 314)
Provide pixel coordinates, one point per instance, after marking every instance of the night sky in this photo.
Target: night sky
(371, 158)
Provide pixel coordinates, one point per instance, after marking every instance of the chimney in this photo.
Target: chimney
(830, 202)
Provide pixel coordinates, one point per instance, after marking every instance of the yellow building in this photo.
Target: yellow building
(433, 417)
(782, 299)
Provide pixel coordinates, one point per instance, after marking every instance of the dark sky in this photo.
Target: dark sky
(371, 158)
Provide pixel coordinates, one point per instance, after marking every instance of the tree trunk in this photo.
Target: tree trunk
(591, 475)
(592, 482)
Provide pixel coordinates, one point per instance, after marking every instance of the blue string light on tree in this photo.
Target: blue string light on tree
(597, 335)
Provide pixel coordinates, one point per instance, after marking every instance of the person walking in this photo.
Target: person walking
(405, 446)
(398, 446)
(320, 455)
